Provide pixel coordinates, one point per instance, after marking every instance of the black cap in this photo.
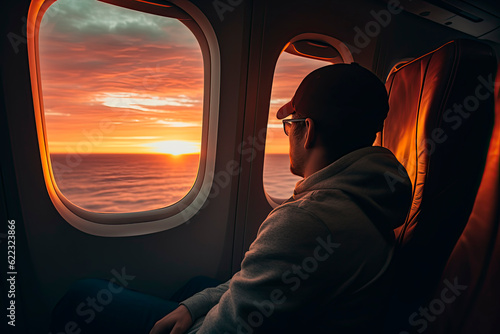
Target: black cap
(347, 94)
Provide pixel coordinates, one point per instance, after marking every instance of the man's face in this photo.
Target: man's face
(296, 149)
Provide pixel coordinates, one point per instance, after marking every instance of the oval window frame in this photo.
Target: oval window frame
(144, 222)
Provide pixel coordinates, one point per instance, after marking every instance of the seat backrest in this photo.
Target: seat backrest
(439, 127)
(474, 264)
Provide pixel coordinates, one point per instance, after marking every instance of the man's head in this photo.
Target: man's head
(343, 107)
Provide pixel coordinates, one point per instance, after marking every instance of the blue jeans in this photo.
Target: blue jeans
(97, 306)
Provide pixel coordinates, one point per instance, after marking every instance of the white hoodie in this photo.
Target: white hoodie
(320, 261)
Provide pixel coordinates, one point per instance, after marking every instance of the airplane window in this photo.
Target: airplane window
(122, 105)
(279, 182)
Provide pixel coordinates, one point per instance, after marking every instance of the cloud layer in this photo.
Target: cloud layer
(101, 62)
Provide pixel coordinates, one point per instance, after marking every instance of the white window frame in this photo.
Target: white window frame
(146, 222)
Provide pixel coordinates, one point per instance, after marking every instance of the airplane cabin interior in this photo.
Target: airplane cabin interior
(439, 63)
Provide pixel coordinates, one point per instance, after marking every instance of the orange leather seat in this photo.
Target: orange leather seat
(439, 127)
(475, 260)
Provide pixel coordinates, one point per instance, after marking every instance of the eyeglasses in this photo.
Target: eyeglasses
(287, 123)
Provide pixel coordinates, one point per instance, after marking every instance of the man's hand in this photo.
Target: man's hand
(176, 322)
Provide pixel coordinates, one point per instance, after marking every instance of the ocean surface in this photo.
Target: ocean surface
(139, 182)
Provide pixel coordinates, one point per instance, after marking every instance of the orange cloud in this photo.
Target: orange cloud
(138, 74)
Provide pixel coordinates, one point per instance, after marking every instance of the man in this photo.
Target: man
(320, 262)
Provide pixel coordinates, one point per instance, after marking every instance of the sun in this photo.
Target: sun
(175, 147)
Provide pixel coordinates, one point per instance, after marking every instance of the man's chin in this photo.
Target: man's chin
(296, 172)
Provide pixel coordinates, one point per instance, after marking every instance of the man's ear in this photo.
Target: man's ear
(310, 134)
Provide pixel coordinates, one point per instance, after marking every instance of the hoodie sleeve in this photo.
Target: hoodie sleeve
(280, 276)
(200, 303)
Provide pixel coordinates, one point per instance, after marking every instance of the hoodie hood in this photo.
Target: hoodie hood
(371, 177)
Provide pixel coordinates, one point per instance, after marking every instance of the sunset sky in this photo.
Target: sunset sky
(121, 81)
